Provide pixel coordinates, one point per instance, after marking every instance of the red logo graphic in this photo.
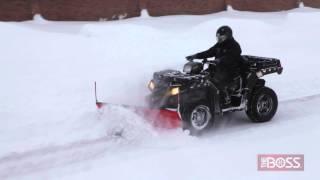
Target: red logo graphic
(280, 162)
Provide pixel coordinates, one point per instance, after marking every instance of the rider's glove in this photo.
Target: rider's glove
(217, 61)
(190, 58)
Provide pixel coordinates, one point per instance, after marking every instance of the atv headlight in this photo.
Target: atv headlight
(151, 85)
(174, 91)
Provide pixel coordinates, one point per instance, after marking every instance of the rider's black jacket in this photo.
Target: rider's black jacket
(228, 55)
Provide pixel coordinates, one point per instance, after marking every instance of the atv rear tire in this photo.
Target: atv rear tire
(196, 118)
(262, 105)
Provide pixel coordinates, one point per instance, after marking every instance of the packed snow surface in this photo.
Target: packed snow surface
(50, 128)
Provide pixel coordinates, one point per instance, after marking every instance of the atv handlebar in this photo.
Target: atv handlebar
(210, 62)
(206, 61)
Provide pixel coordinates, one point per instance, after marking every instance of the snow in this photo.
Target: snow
(50, 128)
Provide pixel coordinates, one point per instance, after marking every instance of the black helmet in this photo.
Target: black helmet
(224, 33)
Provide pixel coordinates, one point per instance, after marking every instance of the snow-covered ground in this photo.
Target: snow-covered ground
(50, 128)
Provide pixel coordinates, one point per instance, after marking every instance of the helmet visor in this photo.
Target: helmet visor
(221, 38)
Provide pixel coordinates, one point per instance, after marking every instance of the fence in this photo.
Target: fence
(94, 10)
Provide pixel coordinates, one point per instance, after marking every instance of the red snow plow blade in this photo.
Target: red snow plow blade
(160, 118)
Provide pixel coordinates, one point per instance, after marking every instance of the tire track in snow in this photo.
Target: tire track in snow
(300, 99)
(19, 164)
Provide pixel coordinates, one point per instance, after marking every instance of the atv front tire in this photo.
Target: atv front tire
(197, 118)
(262, 105)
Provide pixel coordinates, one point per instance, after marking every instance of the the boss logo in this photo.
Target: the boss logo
(280, 162)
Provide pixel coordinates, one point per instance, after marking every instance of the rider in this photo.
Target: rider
(227, 53)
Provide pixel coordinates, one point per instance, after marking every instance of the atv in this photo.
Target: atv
(198, 101)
